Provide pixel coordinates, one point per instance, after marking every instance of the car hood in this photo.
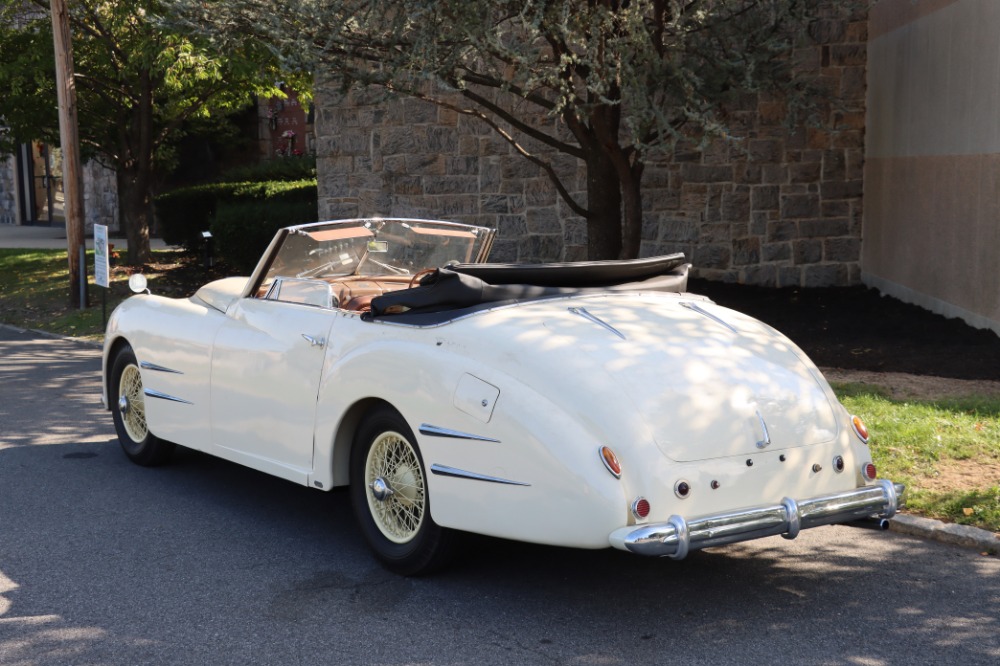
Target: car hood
(706, 381)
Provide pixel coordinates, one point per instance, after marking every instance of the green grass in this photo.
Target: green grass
(34, 291)
(925, 444)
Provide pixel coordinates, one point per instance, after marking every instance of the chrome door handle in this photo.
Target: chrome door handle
(313, 341)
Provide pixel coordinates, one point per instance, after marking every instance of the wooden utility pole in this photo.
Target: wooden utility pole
(70, 140)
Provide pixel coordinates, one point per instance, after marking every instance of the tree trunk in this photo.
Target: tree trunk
(630, 180)
(134, 205)
(604, 201)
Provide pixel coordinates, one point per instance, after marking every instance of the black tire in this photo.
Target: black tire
(398, 526)
(129, 413)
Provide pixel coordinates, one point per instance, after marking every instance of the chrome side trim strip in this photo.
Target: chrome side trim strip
(444, 470)
(705, 313)
(165, 396)
(677, 536)
(597, 320)
(146, 365)
(435, 431)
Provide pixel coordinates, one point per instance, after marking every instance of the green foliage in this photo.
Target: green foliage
(186, 212)
(139, 82)
(299, 168)
(916, 442)
(242, 229)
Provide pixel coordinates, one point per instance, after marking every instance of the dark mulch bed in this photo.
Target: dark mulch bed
(858, 329)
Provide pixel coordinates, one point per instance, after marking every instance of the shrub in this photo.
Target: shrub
(298, 168)
(186, 212)
(243, 229)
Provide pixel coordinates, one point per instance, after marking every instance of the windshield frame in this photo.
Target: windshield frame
(359, 257)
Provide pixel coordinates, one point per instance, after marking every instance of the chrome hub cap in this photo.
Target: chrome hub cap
(380, 489)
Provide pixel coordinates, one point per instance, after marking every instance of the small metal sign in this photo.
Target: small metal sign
(102, 266)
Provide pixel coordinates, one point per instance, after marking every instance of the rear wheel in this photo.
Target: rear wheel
(389, 496)
(128, 409)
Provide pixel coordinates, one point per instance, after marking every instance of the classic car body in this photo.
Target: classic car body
(590, 404)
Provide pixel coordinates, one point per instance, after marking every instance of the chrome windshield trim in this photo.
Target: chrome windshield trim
(435, 431)
(705, 313)
(582, 312)
(165, 396)
(444, 470)
(146, 365)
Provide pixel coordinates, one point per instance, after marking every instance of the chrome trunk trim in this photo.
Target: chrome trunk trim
(435, 431)
(677, 536)
(444, 470)
(705, 313)
(582, 312)
(165, 396)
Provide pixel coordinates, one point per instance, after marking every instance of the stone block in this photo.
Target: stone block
(824, 275)
(804, 172)
(788, 276)
(782, 230)
(765, 197)
(746, 251)
(848, 55)
(712, 256)
(543, 221)
(700, 173)
(824, 227)
(766, 150)
(809, 251)
(451, 184)
(511, 226)
(850, 189)
(842, 250)
(799, 206)
(776, 252)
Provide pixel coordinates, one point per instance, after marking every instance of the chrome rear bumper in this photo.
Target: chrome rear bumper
(678, 536)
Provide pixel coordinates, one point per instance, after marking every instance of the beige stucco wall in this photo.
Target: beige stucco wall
(932, 170)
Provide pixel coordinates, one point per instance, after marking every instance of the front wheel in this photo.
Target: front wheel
(128, 409)
(389, 496)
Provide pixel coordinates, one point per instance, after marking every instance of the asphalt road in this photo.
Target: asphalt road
(204, 562)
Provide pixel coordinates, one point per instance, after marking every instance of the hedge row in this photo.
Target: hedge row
(187, 212)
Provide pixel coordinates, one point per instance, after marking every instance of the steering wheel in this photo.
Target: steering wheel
(420, 274)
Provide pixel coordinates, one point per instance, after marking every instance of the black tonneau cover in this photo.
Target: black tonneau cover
(450, 292)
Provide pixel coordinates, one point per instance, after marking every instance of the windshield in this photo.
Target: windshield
(376, 247)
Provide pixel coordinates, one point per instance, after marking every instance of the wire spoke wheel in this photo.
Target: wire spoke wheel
(399, 512)
(128, 408)
(391, 498)
(132, 404)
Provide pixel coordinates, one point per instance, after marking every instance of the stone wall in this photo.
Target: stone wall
(100, 196)
(772, 207)
(8, 191)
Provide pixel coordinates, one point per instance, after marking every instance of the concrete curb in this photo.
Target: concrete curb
(958, 535)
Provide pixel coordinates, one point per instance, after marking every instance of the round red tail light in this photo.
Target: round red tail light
(640, 507)
(869, 472)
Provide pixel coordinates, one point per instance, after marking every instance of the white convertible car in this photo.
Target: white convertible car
(588, 404)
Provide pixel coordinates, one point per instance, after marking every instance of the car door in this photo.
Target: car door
(266, 366)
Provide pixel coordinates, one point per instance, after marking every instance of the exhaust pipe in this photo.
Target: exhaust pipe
(878, 524)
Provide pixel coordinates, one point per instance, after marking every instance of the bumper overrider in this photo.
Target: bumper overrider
(678, 536)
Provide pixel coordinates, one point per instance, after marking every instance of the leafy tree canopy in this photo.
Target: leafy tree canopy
(139, 83)
(609, 82)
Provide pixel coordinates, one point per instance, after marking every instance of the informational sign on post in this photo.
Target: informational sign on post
(102, 266)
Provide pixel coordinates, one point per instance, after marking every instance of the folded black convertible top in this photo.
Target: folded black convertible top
(574, 274)
(456, 290)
